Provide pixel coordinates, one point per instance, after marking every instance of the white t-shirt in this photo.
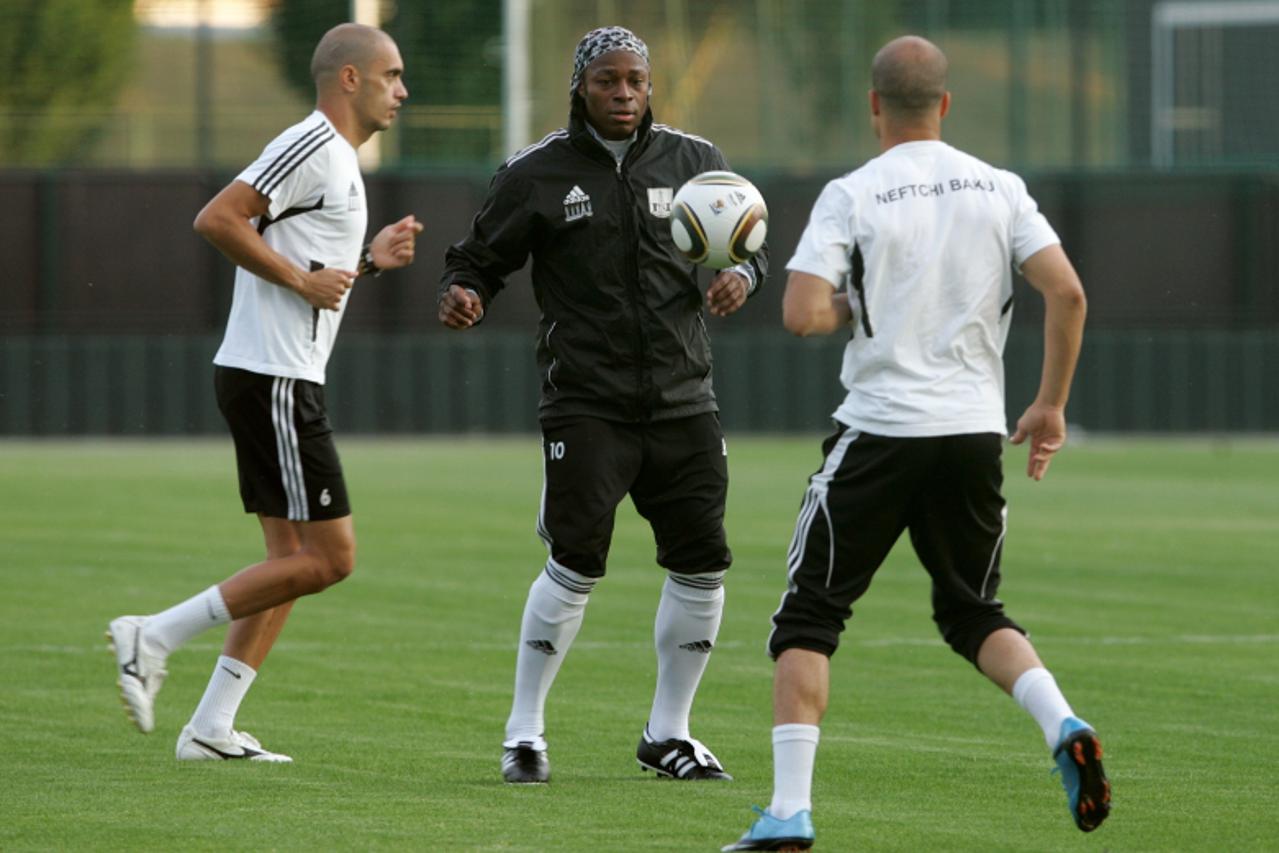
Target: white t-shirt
(937, 231)
(317, 217)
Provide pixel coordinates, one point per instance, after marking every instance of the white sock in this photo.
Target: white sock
(684, 633)
(167, 630)
(794, 753)
(214, 717)
(1036, 690)
(552, 616)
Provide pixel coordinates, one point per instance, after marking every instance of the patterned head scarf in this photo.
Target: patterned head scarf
(598, 42)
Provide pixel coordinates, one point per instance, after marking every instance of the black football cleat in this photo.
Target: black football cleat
(524, 765)
(689, 760)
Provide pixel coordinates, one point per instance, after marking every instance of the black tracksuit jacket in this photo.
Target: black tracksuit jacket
(621, 336)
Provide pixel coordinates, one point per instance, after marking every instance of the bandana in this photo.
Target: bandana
(598, 42)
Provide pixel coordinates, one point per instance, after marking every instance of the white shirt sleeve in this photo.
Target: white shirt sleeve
(291, 171)
(826, 245)
(1030, 229)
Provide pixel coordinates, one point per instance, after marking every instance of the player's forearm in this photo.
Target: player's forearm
(820, 319)
(236, 238)
(1063, 336)
(811, 306)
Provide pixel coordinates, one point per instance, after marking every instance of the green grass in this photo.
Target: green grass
(1144, 570)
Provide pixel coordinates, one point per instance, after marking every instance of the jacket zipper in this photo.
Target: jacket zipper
(636, 297)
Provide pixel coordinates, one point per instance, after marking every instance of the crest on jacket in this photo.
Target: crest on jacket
(659, 201)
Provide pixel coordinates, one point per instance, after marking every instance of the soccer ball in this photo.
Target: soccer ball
(718, 220)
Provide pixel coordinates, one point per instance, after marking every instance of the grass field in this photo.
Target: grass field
(1146, 572)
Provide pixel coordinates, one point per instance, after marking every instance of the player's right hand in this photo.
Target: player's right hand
(325, 288)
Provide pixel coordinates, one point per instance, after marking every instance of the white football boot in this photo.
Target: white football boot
(240, 746)
(140, 671)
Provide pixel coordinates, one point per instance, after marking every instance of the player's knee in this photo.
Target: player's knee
(965, 632)
(341, 563)
(340, 570)
(333, 564)
(698, 553)
(811, 632)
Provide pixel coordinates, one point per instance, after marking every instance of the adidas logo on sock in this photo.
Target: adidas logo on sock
(703, 646)
(543, 646)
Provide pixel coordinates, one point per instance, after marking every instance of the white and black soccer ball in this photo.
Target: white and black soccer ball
(718, 220)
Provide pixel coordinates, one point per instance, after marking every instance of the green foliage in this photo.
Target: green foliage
(452, 52)
(298, 26)
(64, 63)
(1144, 570)
(452, 58)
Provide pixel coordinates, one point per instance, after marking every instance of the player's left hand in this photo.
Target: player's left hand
(1045, 426)
(727, 293)
(393, 246)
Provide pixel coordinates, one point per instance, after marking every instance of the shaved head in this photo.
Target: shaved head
(345, 44)
(909, 74)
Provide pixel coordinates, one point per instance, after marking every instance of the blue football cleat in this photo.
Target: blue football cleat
(769, 833)
(1078, 757)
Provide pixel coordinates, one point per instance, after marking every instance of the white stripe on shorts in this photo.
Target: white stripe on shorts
(286, 446)
(814, 502)
(994, 553)
(543, 531)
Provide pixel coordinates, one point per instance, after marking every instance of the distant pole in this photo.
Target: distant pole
(369, 13)
(515, 76)
(1078, 28)
(203, 86)
(1018, 62)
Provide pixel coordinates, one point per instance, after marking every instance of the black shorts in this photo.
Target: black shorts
(675, 471)
(289, 466)
(944, 490)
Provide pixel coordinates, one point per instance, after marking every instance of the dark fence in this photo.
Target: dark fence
(112, 310)
(113, 252)
(486, 381)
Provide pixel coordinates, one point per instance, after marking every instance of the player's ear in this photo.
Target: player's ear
(349, 78)
(874, 102)
(945, 105)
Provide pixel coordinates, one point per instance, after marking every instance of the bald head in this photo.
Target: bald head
(909, 74)
(345, 44)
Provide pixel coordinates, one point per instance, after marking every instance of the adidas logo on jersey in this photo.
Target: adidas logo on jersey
(546, 647)
(703, 646)
(353, 198)
(577, 205)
